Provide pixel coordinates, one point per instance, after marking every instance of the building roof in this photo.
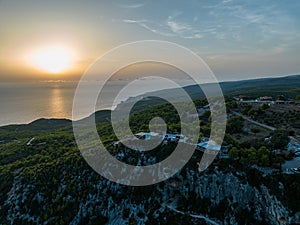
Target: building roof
(206, 145)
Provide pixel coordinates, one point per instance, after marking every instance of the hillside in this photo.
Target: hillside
(45, 180)
(288, 86)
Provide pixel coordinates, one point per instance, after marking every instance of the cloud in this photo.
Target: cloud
(151, 26)
(257, 24)
(133, 6)
(248, 24)
(177, 27)
(169, 28)
(183, 30)
(129, 4)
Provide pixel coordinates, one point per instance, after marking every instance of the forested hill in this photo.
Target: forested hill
(288, 86)
(45, 180)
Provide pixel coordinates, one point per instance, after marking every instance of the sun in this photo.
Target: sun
(52, 59)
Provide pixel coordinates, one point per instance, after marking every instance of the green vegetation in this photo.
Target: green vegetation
(234, 125)
(285, 117)
(251, 156)
(279, 139)
(50, 168)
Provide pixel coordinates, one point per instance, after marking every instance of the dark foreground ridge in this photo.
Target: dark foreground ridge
(45, 180)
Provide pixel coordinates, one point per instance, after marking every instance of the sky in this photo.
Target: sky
(238, 39)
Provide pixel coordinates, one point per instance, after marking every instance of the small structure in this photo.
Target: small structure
(267, 139)
(146, 136)
(293, 146)
(30, 141)
(240, 97)
(172, 137)
(208, 144)
(265, 98)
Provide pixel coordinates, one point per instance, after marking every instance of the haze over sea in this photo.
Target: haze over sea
(25, 102)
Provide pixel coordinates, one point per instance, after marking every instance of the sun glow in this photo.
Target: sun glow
(52, 59)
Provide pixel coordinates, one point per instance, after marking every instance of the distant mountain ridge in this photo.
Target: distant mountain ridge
(288, 86)
(257, 86)
(290, 83)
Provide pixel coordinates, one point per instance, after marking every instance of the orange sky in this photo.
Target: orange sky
(238, 40)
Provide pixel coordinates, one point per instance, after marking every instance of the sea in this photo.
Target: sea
(25, 102)
(22, 103)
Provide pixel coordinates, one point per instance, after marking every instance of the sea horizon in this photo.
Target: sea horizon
(25, 102)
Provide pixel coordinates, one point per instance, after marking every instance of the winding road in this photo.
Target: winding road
(253, 121)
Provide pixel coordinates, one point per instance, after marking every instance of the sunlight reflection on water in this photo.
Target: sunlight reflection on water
(26, 102)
